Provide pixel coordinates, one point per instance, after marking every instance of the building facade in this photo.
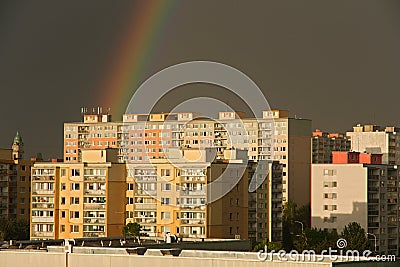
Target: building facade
(71, 200)
(265, 203)
(15, 181)
(353, 191)
(324, 143)
(178, 197)
(141, 137)
(376, 139)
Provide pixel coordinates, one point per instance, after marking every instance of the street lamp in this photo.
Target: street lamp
(374, 240)
(302, 231)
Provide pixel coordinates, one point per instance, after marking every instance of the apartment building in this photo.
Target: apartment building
(82, 199)
(179, 197)
(96, 131)
(265, 203)
(376, 139)
(275, 136)
(14, 181)
(357, 188)
(141, 137)
(324, 143)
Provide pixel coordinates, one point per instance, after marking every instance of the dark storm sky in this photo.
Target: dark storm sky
(336, 62)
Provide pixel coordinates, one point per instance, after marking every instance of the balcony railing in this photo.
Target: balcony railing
(43, 234)
(145, 220)
(94, 206)
(95, 192)
(42, 219)
(43, 178)
(94, 234)
(42, 205)
(192, 221)
(94, 178)
(145, 206)
(94, 220)
(193, 192)
(43, 192)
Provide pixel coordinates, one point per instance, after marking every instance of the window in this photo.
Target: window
(74, 214)
(329, 172)
(230, 216)
(165, 215)
(165, 229)
(74, 200)
(129, 200)
(330, 184)
(22, 200)
(75, 186)
(22, 189)
(63, 173)
(22, 212)
(165, 172)
(63, 201)
(23, 168)
(130, 187)
(330, 195)
(74, 228)
(75, 172)
(62, 228)
(22, 178)
(165, 201)
(330, 207)
(166, 187)
(63, 186)
(62, 214)
(230, 230)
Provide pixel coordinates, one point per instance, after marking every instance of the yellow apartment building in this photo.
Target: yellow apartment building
(84, 199)
(173, 196)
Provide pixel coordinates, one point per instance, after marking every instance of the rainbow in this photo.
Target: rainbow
(133, 54)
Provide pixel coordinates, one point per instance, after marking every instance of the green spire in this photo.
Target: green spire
(18, 138)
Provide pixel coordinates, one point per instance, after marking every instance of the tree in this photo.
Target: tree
(270, 245)
(131, 229)
(317, 240)
(291, 228)
(14, 229)
(356, 237)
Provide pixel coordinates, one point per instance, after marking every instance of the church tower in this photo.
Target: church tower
(18, 147)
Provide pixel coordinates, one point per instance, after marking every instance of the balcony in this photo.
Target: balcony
(193, 192)
(43, 234)
(42, 205)
(42, 219)
(145, 220)
(192, 221)
(373, 224)
(145, 206)
(94, 178)
(373, 212)
(94, 234)
(95, 192)
(94, 206)
(141, 192)
(94, 220)
(43, 192)
(43, 178)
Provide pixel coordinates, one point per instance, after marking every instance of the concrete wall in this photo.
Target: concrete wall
(32, 259)
(351, 195)
(187, 258)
